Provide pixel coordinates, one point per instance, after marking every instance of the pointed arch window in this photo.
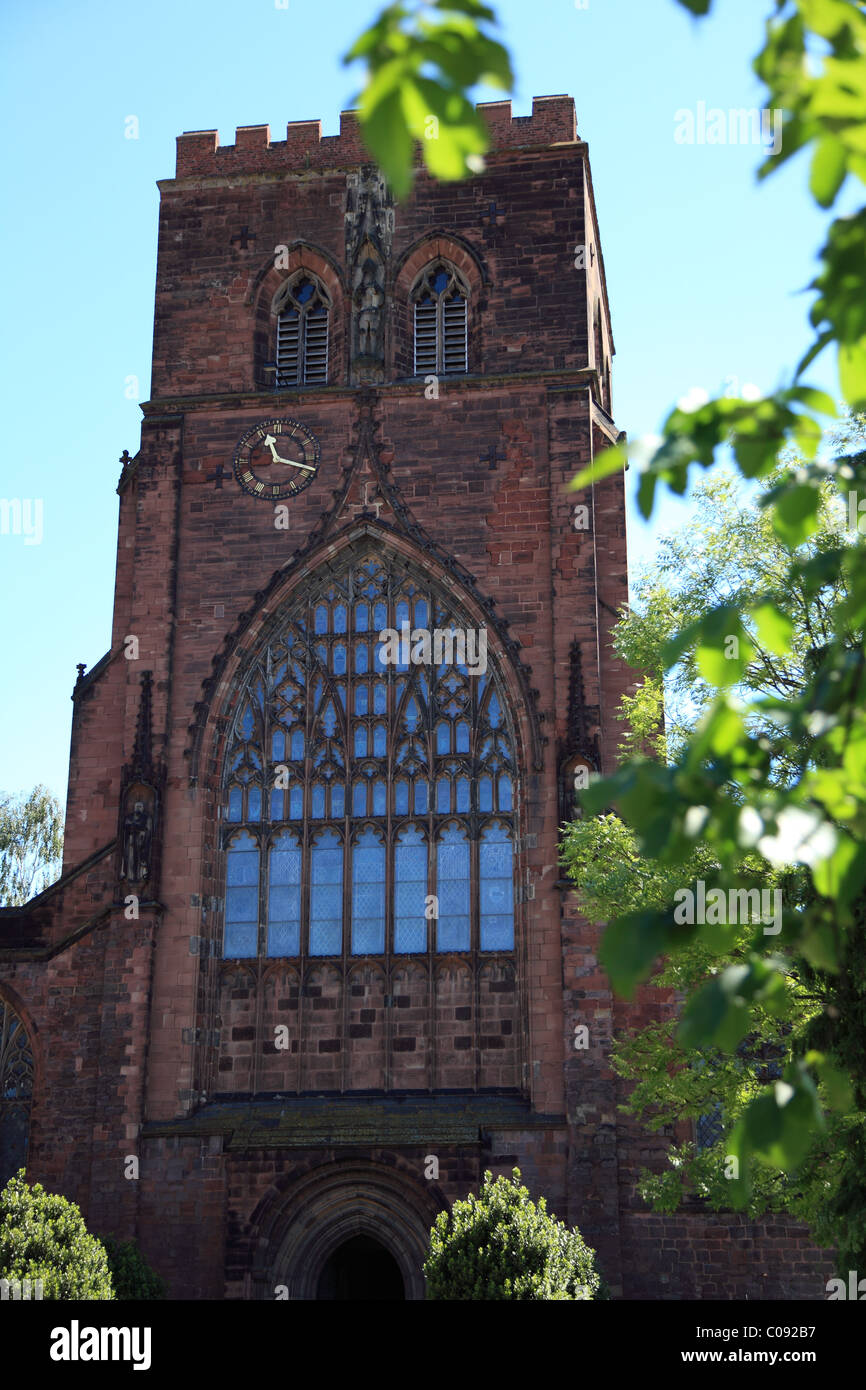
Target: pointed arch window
(441, 302)
(382, 758)
(16, 1093)
(302, 308)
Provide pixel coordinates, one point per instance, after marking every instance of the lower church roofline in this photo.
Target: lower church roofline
(316, 1121)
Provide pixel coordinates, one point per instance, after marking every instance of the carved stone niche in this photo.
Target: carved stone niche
(574, 775)
(369, 236)
(138, 822)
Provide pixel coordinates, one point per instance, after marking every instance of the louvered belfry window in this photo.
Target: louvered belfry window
(441, 329)
(302, 334)
(355, 788)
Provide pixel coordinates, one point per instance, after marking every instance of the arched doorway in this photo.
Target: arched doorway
(359, 1269)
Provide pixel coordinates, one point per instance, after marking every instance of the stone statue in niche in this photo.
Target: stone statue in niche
(370, 300)
(369, 234)
(137, 834)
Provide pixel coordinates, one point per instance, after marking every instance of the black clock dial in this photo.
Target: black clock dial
(276, 459)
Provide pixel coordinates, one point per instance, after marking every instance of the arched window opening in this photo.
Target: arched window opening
(441, 321)
(385, 770)
(16, 1093)
(303, 313)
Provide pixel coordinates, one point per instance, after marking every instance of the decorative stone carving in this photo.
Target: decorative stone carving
(369, 235)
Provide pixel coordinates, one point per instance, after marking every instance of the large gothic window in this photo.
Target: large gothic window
(368, 790)
(302, 310)
(16, 1091)
(441, 334)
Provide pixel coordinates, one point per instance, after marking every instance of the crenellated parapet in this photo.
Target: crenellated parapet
(199, 153)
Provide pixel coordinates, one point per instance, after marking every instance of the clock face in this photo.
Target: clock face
(276, 459)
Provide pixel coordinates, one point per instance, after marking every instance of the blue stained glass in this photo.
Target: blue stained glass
(360, 741)
(321, 623)
(410, 891)
(235, 811)
(362, 617)
(402, 613)
(368, 894)
(411, 715)
(254, 803)
(462, 794)
(359, 799)
(443, 795)
(248, 723)
(329, 719)
(240, 940)
(338, 800)
(284, 938)
(462, 737)
(242, 904)
(341, 691)
(285, 859)
(494, 714)
(380, 741)
(340, 618)
(278, 746)
(440, 281)
(304, 291)
(277, 803)
(361, 699)
(318, 804)
(380, 698)
(496, 890)
(297, 745)
(485, 794)
(401, 799)
(452, 888)
(284, 902)
(420, 798)
(339, 659)
(505, 803)
(361, 659)
(380, 799)
(296, 803)
(326, 895)
(242, 860)
(379, 662)
(421, 611)
(380, 616)
(443, 738)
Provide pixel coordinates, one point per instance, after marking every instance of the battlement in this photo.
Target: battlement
(199, 152)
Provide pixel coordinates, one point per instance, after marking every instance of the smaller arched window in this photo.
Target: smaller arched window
(16, 1091)
(441, 321)
(303, 313)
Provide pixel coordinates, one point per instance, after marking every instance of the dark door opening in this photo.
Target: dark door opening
(361, 1268)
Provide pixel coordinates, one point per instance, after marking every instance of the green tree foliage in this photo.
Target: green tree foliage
(728, 552)
(422, 59)
(501, 1244)
(43, 1237)
(31, 845)
(131, 1276)
(721, 790)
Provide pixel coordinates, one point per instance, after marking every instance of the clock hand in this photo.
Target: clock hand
(270, 443)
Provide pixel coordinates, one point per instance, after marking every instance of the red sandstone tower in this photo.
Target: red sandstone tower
(311, 967)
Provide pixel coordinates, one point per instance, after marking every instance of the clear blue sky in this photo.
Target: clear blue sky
(703, 265)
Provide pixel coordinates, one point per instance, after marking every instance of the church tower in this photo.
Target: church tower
(312, 966)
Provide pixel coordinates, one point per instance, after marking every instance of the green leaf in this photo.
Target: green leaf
(795, 513)
(852, 373)
(697, 6)
(829, 167)
(605, 464)
(630, 946)
(775, 628)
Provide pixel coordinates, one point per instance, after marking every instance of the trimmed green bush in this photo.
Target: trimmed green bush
(501, 1244)
(131, 1275)
(43, 1237)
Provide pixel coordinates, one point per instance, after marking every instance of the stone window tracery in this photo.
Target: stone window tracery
(358, 789)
